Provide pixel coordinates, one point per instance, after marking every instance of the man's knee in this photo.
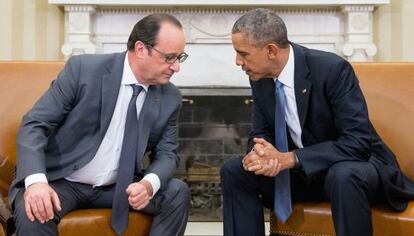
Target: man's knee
(229, 169)
(182, 192)
(351, 175)
(26, 227)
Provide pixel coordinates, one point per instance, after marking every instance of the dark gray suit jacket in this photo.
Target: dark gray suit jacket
(64, 129)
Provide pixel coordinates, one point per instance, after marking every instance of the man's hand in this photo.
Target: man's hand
(139, 194)
(266, 160)
(257, 163)
(39, 201)
(251, 162)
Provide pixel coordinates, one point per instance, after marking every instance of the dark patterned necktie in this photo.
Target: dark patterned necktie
(120, 205)
(283, 203)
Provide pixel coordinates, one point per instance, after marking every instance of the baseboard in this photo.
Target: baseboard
(209, 228)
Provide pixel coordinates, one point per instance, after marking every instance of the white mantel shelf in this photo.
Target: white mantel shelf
(220, 2)
(344, 27)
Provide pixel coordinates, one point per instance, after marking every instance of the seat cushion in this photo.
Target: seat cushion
(98, 222)
(314, 218)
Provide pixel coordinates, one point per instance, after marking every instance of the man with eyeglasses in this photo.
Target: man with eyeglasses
(82, 144)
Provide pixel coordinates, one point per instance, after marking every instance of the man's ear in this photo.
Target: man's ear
(272, 50)
(139, 49)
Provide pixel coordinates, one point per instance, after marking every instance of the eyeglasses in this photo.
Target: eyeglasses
(171, 58)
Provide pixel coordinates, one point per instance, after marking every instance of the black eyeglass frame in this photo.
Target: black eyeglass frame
(170, 58)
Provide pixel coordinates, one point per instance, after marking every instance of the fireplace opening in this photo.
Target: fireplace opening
(212, 130)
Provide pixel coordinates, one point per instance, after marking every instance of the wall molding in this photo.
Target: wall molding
(339, 26)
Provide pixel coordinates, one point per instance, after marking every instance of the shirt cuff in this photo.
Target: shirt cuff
(298, 165)
(154, 180)
(35, 178)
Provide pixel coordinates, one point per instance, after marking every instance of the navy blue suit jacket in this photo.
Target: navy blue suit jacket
(334, 119)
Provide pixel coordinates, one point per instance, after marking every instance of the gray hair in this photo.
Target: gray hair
(262, 26)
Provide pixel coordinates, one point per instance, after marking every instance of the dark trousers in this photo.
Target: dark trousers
(169, 207)
(349, 186)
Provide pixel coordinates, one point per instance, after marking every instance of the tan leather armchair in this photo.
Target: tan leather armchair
(21, 84)
(389, 91)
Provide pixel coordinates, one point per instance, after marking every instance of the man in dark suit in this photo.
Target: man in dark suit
(326, 147)
(94, 125)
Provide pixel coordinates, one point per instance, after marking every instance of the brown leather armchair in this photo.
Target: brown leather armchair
(389, 91)
(21, 84)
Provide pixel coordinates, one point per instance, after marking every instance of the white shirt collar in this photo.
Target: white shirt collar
(287, 75)
(128, 77)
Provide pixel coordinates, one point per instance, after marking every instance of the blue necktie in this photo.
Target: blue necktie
(283, 203)
(127, 162)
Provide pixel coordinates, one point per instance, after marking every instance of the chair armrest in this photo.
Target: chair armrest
(5, 216)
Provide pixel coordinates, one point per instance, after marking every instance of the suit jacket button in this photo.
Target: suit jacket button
(75, 167)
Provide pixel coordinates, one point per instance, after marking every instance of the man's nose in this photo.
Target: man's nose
(239, 62)
(175, 66)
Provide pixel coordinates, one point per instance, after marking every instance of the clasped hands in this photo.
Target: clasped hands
(265, 159)
(41, 200)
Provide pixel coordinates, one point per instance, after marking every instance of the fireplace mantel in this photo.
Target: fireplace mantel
(102, 26)
(220, 2)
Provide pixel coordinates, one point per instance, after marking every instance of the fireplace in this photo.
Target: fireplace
(215, 118)
(212, 129)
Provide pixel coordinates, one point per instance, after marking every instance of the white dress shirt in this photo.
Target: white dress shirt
(103, 168)
(287, 78)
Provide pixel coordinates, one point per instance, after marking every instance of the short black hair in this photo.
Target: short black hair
(146, 30)
(262, 26)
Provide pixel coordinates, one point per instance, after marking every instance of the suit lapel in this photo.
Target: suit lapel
(302, 85)
(110, 89)
(148, 115)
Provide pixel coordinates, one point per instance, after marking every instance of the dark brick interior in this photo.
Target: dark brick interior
(212, 129)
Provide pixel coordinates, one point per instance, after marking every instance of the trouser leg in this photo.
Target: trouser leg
(351, 186)
(169, 208)
(69, 198)
(244, 195)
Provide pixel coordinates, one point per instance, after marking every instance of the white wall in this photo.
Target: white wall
(33, 30)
